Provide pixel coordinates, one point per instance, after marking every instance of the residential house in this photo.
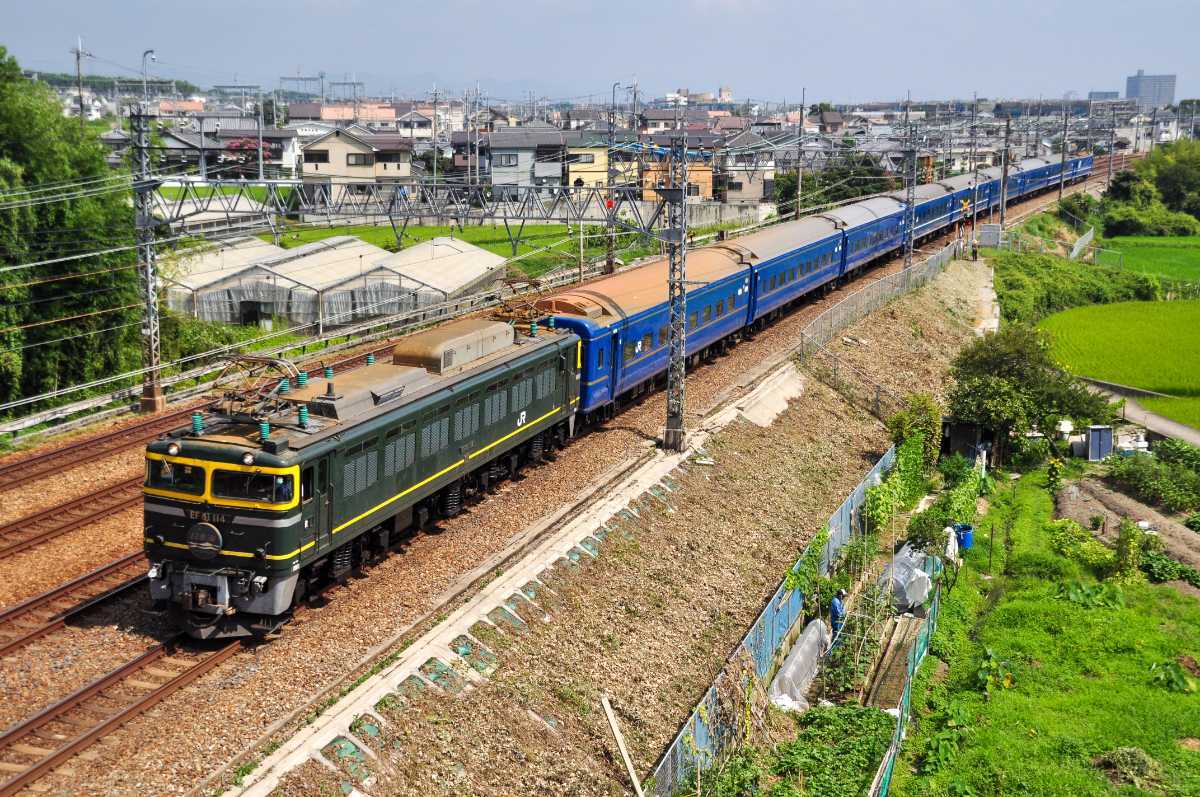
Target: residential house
(728, 124)
(526, 156)
(830, 121)
(168, 108)
(415, 126)
(653, 120)
(117, 141)
(588, 159)
(745, 170)
(281, 147)
(587, 119)
(656, 168)
(344, 158)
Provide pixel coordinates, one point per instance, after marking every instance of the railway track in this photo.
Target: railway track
(79, 452)
(34, 618)
(41, 744)
(26, 532)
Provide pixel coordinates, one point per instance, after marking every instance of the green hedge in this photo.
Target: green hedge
(1031, 287)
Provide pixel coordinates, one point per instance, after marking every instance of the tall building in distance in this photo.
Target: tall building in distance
(1104, 95)
(1150, 91)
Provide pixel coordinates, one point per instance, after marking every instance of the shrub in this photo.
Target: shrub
(922, 416)
(1178, 452)
(1130, 542)
(1193, 522)
(1171, 484)
(954, 469)
(1029, 452)
(1074, 542)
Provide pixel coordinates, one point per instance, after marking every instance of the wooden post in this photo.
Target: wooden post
(616, 732)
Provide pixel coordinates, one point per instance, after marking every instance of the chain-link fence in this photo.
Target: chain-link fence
(740, 691)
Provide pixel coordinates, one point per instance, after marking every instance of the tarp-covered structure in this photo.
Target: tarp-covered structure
(327, 283)
(192, 271)
(445, 268)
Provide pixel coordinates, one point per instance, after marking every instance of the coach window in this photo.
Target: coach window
(628, 351)
(772, 282)
(662, 336)
(708, 314)
(692, 320)
(720, 308)
(647, 343)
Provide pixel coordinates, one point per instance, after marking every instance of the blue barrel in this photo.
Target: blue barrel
(965, 533)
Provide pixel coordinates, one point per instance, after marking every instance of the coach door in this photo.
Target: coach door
(315, 496)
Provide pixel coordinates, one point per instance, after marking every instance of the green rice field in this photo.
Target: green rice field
(1172, 257)
(1149, 345)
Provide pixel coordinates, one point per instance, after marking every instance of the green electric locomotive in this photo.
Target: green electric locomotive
(271, 494)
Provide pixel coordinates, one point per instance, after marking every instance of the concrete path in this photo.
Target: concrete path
(1158, 424)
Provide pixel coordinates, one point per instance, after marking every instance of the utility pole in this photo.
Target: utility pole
(974, 162)
(1112, 146)
(611, 253)
(676, 236)
(79, 53)
(1062, 161)
(910, 194)
(436, 97)
(1004, 174)
(800, 152)
(1153, 128)
(152, 395)
(261, 174)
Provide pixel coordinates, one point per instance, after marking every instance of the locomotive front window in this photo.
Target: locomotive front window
(265, 488)
(163, 475)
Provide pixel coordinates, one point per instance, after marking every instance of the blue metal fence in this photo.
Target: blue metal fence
(706, 732)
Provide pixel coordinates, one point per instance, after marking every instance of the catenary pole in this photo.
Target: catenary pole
(1062, 161)
(1004, 174)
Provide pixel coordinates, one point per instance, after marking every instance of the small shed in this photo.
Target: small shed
(1099, 442)
(445, 268)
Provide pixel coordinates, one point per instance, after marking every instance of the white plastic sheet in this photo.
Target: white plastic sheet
(908, 583)
(791, 683)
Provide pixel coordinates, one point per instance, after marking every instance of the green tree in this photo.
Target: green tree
(1008, 382)
(75, 328)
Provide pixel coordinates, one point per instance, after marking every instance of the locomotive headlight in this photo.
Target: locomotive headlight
(260, 583)
(247, 458)
(173, 449)
(154, 572)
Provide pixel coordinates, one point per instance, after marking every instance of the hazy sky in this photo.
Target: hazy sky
(846, 50)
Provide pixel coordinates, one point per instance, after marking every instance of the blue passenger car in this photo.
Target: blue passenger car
(790, 260)
(871, 228)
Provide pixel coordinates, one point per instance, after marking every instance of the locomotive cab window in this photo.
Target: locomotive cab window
(306, 484)
(163, 475)
(599, 358)
(265, 488)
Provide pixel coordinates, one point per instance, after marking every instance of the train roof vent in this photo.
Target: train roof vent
(453, 345)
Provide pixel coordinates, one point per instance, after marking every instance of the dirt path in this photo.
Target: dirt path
(1089, 498)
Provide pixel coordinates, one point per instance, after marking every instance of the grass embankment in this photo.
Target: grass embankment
(1151, 345)
(1081, 680)
(1174, 257)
